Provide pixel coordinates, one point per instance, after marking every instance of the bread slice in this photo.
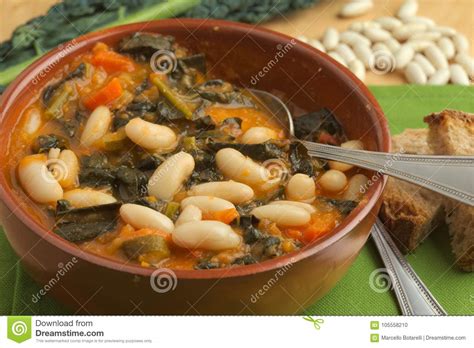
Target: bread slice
(409, 212)
(451, 132)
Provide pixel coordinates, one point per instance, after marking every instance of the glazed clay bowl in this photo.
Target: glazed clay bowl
(305, 79)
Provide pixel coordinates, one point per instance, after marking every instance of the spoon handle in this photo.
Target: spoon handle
(452, 176)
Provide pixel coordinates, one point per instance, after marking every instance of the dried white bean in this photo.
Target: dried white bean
(361, 26)
(425, 64)
(82, 198)
(345, 52)
(404, 56)
(466, 62)
(389, 23)
(207, 204)
(405, 31)
(364, 53)
(210, 235)
(358, 68)
(282, 214)
(33, 121)
(351, 144)
(188, 214)
(409, 8)
(447, 47)
(169, 177)
(150, 136)
(336, 56)
(234, 165)
(415, 74)
(419, 45)
(330, 38)
(308, 207)
(436, 57)
(96, 126)
(140, 216)
(333, 180)
(355, 8)
(380, 46)
(461, 43)
(355, 187)
(392, 44)
(354, 39)
(257, 135)
(376, 34)
(232, 191)
(458, 75)
(440, 77)
(446, 31)
(37, 181)
(427, 35)
(301, 188)
(420, 20)
(317, 44)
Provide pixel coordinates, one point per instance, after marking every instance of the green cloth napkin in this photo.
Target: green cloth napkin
(405, 107)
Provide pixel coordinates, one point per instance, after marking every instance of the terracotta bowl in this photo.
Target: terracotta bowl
(255, 57)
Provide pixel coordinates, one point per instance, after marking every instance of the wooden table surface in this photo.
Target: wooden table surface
(311, 22)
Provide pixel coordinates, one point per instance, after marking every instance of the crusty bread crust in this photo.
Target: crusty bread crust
(452, 133)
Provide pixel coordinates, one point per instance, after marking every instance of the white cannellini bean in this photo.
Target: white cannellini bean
(405, 31)
(336, 56)
(440, 77)
(355, 8)
(345, 52)
(380, 46)
(344, 167)
(376, 34)
(358, 68)
(392, 44)
(140, 216)
(389, 23)
(436, 57)
(308, 207)
(210, 235)
(66, 169)
(207, 204)
(54, 153)
(82, 198)
(360, 26)
(404, 56)
(420, 20)
(282, 214)
(37, 180)
(234, 165)
(188, 214)
(415, 74)
(354, 39)
(427, 35)
(169, 177)
(446, 31)
(355, 187)
(461, 42)
(419, 45)
(364, 53)
(97, 125)
(425, 64)
(330, 38)
(257, 135)
(458, 75)
(409, 8)
(333, 180)
(466, 62)
(317, 44)
(301, 188)
(447, 47)
(231, 191)
(150, 136)
(32, 121)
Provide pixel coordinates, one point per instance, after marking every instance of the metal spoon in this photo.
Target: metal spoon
(452, 176)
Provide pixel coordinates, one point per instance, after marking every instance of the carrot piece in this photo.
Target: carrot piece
(319, 225)
(105, 95)
(112, 61)
(226, 216)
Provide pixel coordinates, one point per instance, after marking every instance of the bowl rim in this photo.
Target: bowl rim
(358, 214)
